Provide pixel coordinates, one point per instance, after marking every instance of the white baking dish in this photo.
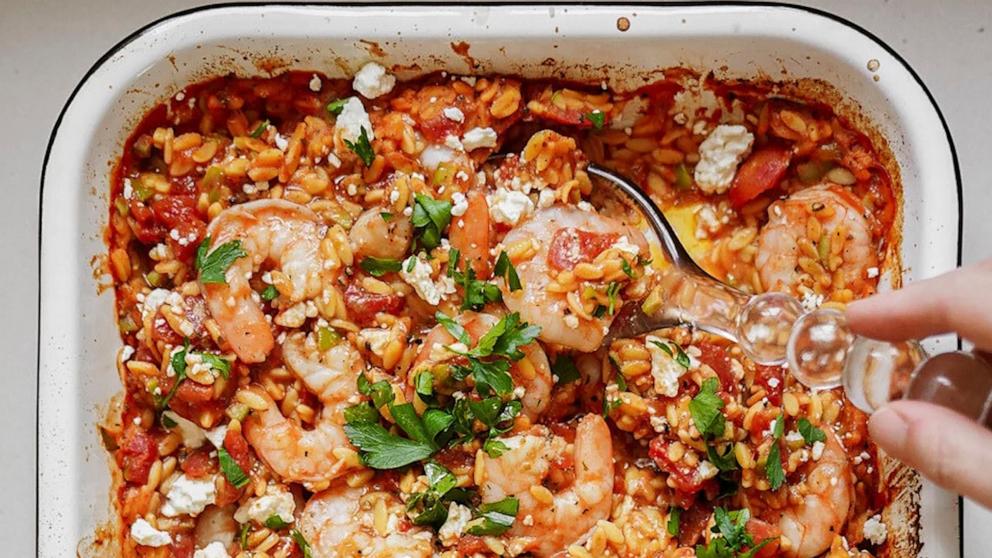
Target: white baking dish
(78, 339)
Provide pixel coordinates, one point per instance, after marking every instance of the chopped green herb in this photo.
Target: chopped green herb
(506, 337)
(683, 180)
(424, 384)
(275, 522)
(213, 264)
(726, 461)
(382, 450)
(362, 147)
(779, 427)
(302, 543)
(336, 106)
(215, 362)
(430, 218)
(673, 521)
(377, 267)
(494, 448)
(178, 363)
(494, 518)
(386, 216)
(260, 129)
(625, 265)
(232, 471)
(705, 410)
(168, 422)
(731, 526)
(678, 354)
(597, 118)
(773, 467)
(564, 368)
(490, 376)
(611, 293)
(810, 433)
(504, 268)
(453, 327)
(436, 421)
(243, 536)
(363, 412)
(270, 293)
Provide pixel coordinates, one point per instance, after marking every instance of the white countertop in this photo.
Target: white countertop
(47, 46)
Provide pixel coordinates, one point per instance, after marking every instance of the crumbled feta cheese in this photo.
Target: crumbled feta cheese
(259, 509)
(706, 470)
(434, 155)
(459, 204)
(454, 114)
(773, 382)
(793, 437)
(374, 339)
(811, 301)
(128, 189)
(546, 198)
(626, 246)
(519, 392)
(707, 222)
(451, 531)
(479, 137)
(193, 435)
(875, 530)
(665, 371)
(352, 119)
(188, 496)
(419, 277)
(315, 83)
(281, 142)
(452, 142)
(215, 549)
(585, 206)
(719, 154)
(153, 300)
(373, 81)
(144, 534)
(872, 272)
(659, 424)
(817, 450)
(216, 435)
(572, 321)
(509, 207)
(126, 353)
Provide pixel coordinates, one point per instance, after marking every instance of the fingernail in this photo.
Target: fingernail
(888, 428)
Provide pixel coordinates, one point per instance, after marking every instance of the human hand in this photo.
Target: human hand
(950, 449)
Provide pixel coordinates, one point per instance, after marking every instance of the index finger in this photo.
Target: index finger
(959, 301)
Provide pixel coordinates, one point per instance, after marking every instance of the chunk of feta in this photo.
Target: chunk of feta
(706, 470)
(665, 371)
(451, 531)
(875, 530)
(193, 435)
(373, 81)
(546, 198)
(215, 549)
(419, 277)
(144, 534)
(216, 435)
(624, 245)
(719, 155)
(508, 206)
(188, 496)
(631, 112)
(479, 137)
(459, 204)
(374, 339)
(454, 114)
(352, 119)
(315, 83)
(818, 447)
(260, 509)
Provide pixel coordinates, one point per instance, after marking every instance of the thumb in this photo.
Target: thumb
(916, 433)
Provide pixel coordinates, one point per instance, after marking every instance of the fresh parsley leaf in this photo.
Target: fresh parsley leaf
(243, 536)
(486, 410)
(440, 479)
(504, 268)
(213, 264)
(611, 294)
(494, 518)
(724, 462)
(597, 118)
(430, 218)
(302, 543)
(407, 419)
(677, 353)
(167, 421)
(673, 521)
(270, 293)
(275, 522)
(232, 471)
(178, 363)
(386, 216)
(436, 421)
(423, 384)
(380, 392)
(773, 467)
(219, 364)
(618, 376)
(382, 450)
(260, 129)
(377, 267)
(564, 367)
(506, 337)
(705, 410)
(362, 147)
(363, 412)
(731, 525)
(779, 427)
(336, 106)
(494, 448)
(492, 376)
(454, 328)
(810, 433)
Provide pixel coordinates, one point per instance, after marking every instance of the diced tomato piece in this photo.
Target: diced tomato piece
(237, 447)
(136, 454)
(227, 494)
(770, 377)
(470, 545)
(570, 246)
(179, 214)
(760, 423)
(363, 305)
(198, 464)
(437, 128)
(760, 172)
(192, 392)
(716, 357)
(183, 544)
(147, 229)
(762, 531)
(684, 477)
